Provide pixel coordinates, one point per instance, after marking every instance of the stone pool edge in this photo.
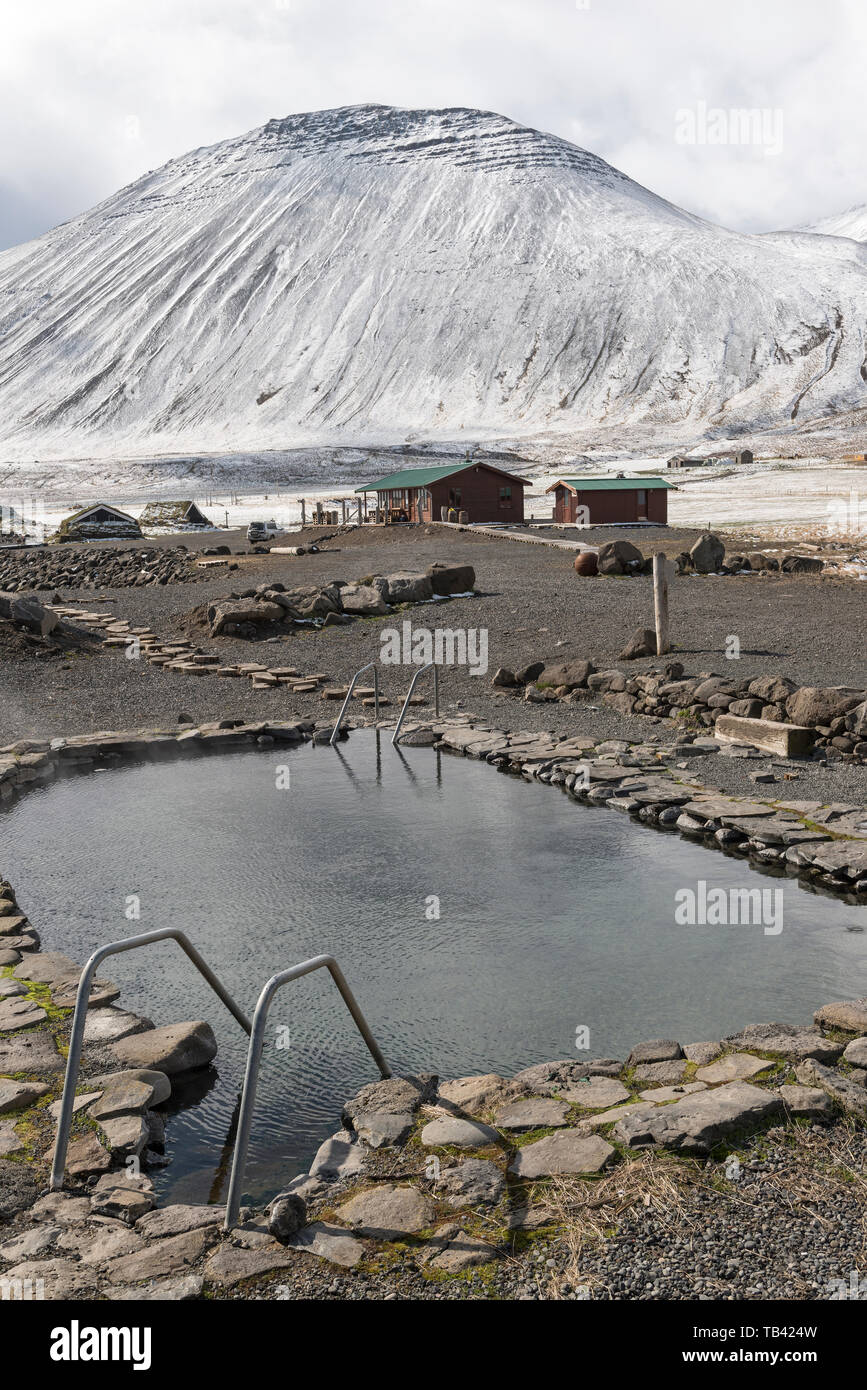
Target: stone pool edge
(179, 1246)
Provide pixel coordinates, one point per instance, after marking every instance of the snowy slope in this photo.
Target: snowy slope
(372, 273)
(852, 223)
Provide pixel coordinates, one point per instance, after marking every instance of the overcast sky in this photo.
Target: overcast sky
(94, 93)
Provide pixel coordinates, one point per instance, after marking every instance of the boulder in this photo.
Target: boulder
(451, 579)
(234, 612)
(641, 643)
(856, 720)
(815, 704)
(656, 1050)
(618, 557)
(801, 564)
(176, 1048)
(450, 1130)
(311, 602)
(587, 563)
(707, 554)
(771, 690)
(287, 1214)
(504, 677)
(407, 588)
(365, 599)
(530, 672)
(849, 1015)
(807, 1103)
(570, 674)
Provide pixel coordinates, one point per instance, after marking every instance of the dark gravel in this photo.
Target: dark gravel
(531, 603)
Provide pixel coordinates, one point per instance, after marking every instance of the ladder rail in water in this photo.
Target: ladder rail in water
(254, 1060)
(359, 672)
(431, 665)
(76, 1038)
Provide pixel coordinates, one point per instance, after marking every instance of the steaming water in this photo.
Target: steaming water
(551, 916)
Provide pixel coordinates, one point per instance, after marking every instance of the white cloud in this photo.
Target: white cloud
(94, 94)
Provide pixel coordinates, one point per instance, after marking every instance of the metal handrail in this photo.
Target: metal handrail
(360, 672)
(254, 1060)
(420, 672)
(76, 1037)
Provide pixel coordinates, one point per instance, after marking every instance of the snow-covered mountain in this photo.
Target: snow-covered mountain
(372, 273)
(852, 223)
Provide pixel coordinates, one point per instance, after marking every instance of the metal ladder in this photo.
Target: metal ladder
(431, 665)
(359, 672)
(254, 1060)
(76, 1037)
(255, 1031)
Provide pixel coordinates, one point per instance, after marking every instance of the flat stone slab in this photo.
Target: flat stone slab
(807, 1103)
(29, 1052)
(719, 807)
(161, 1257)
(702, 1052)
(157, 1080)
(189, 1286)
(387, 1212)
(566, 1152)
(340, 1156)
(537, 1113)
(382, 1130)
(29, 1245)
(109, 1025)
(656, 1050)
(472, 1182)
(122, 1097)
(176, 1048)
(598, 1093)
(788, 1041)
(735, 1066)
(462, 1134)
(17, 1095)
(20, 1013)
(230, 1264)
(126, 1204)
(608, 1117)
(125, 1134)
(62, 1279)
(10, 1141)
(660, 1095)
(459, 1251)
(175, 1220)
(698, 1122)
(61, 1209)
(86, 1155)
(329, 1242)
(664, 1073)
(846, 1092)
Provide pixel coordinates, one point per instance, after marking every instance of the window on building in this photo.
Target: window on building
(505, 496)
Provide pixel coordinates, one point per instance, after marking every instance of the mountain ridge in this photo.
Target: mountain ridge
(374, 272)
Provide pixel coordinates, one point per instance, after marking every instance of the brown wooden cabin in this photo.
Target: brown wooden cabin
(483, 492)
(611, 500)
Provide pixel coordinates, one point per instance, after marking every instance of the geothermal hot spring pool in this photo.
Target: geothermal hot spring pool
(552, 916)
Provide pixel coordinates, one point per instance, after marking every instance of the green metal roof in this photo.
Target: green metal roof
(423, 477)
(607, 484)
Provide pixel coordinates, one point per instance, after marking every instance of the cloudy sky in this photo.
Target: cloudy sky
(95, 92)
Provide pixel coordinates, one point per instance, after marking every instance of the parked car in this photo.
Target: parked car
(259, 531)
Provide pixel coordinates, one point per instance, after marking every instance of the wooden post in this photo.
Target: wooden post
(303, 512)
(343, 505)
(660, 603)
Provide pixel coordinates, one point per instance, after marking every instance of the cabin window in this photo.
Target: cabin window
(455, 496)
(505, 497)
(642, 497)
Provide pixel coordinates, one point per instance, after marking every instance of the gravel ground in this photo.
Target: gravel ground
(532, 605)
